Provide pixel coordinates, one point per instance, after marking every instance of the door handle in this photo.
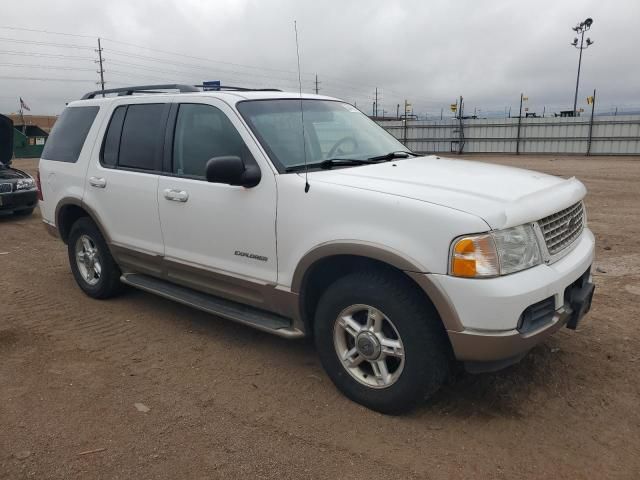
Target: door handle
(97, 182)
(176, 195)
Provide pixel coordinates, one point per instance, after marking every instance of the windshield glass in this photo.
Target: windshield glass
(332, 130)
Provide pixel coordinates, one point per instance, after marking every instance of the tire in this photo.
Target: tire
(424, 363)
(106, 283)
(23, 213)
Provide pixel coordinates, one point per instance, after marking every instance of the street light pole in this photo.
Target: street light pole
(580, 28)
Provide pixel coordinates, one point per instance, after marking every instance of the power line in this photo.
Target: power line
(48, 79)
(45, 44)
(185, 65)
(200, 69)
(342, 87)
(7, 27)
(45, 55)
(54, 67)
(181, 55)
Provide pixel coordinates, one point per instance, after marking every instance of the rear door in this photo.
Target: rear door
(122, 183)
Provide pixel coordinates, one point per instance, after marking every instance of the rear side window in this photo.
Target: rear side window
(142, 136)
(69, 133)
(112, 138)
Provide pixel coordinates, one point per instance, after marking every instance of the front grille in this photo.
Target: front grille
(561, 229)
(5, 187)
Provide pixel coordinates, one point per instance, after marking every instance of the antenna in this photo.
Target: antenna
(304, 142)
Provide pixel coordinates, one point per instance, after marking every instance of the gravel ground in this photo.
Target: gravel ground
(139, 387)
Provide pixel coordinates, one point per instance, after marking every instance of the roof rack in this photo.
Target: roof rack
(213, 88)
(124, 91)
(141, 89)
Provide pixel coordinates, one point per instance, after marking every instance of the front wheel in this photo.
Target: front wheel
(380, 341)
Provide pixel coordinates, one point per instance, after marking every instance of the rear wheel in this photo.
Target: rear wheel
(93, 267)
(380, 341)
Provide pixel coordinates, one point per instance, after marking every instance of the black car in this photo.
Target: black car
(18, 194)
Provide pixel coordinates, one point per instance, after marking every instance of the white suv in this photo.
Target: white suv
(299, 216)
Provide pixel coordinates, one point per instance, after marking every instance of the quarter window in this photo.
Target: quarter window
(69, 133)
(203, 132)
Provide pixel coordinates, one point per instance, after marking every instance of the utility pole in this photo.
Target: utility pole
(441, 112)
(398, 112)
(461, 128)
(522, 98)
(376, 104)
(373, 109)
(317, 83)
(406, 106)
(593, 108)
(101, 71)
(580, 29)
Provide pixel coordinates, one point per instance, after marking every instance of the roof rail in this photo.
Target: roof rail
(141, 89)
(213, 88)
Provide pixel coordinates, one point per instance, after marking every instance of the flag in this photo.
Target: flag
(24, 106)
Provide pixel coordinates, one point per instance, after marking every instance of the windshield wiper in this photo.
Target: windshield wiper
(330, 163)
(338, 162)
(346, 162)
(392, 155)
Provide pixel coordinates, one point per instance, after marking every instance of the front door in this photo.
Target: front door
(218, 238)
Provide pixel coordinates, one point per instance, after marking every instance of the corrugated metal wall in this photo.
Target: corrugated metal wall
(615, 135)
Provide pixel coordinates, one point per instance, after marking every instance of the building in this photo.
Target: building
(28, 141)
(45, 122)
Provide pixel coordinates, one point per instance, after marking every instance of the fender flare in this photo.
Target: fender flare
(356, 248)
(389, 256)
(74, 201)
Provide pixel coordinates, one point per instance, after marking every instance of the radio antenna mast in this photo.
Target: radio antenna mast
(304, 143)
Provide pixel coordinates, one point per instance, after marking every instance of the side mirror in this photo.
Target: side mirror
(232, 170)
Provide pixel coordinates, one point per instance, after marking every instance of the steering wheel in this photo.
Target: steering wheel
(339, 143)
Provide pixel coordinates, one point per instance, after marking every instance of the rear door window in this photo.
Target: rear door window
(142, 136)
(69, 134)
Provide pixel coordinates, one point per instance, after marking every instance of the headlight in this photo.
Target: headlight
(25, 184)
(495, 253)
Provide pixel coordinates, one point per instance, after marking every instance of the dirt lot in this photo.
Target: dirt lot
(226, 401)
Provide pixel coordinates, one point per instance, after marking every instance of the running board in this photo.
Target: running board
(251, 316)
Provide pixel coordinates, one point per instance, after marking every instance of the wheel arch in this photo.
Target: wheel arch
(326, 263)
(68, 211)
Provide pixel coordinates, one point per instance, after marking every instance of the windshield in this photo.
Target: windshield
(332, 130)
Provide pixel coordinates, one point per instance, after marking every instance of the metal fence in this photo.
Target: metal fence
(602, 135)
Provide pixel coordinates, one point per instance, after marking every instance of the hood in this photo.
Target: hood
(502, 196)
(7, 173)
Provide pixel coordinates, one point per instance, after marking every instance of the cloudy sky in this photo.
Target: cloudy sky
(428, 52)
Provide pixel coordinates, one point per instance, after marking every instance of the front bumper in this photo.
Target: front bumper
(18, 200)
(488, 311)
